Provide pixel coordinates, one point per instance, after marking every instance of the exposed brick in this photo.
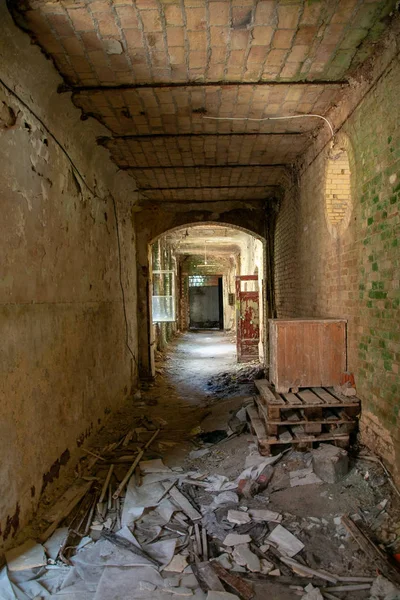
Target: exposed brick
(262, 36)
(50, 43)
(196, 19)
(106, 24)
(73, 46)
(155, 41)
(239, 39)
(176, 36)
(242, 17)
(177, 55)
(282, 38)
(197, 40)
(306, 34)
(219, 13)
(265, 12)
(257, 54)
(61, 25)
(288, 16)
(91, 41)
(298, 53)
(134, 38)
(219, 36)
(311, 13)
(81, 19)
(173, 14)
(151, 20)
(127, 16)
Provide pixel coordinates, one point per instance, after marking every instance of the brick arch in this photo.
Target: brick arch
(215, 223)
(253, 221)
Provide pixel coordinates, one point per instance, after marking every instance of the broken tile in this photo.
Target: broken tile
(244, 557)
(221, 596)
(261, 514)
(224, 560)
(27, 556)
(266, 566)
(238, 517)
(285, 541)
(54, 542)
(303, 477)
(177, 564)
(233, 539)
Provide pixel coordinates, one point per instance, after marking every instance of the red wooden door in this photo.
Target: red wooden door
(247, 318)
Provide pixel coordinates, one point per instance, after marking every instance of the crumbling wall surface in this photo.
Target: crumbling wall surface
(63, 355)
(352, 271)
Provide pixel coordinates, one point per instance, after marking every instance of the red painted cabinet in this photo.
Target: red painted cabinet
(306, 352)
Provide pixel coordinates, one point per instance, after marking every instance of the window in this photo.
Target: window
(163, 301)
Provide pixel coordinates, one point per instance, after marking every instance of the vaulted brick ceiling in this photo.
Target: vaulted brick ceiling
(152, 70)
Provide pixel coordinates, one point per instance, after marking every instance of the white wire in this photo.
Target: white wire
(272, 119)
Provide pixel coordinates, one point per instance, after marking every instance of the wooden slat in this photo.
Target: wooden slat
(292, 399)
(262, 410)
(323, 437)
(342, 398)
(257, 424)
(310, 398)
(265, 391)
(324, 395)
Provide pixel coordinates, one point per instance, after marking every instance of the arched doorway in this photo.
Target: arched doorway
(201, 276)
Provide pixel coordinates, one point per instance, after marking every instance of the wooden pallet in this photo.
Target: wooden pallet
(301, 441)
(305, 418)
(310, 400)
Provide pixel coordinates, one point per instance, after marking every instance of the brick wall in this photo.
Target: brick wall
(352, 270)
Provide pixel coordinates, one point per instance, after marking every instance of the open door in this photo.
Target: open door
(247, 317)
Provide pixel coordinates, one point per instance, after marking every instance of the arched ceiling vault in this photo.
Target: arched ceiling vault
(153, 71)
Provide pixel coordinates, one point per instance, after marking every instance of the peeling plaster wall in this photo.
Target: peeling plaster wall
(63, 355)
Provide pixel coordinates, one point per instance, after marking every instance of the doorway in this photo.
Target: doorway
(206, 310)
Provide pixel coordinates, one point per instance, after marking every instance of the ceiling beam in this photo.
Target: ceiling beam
(204, 187)
(197, 84)
(103, 140)
(225, 166)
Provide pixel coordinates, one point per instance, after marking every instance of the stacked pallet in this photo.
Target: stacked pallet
(303, 419)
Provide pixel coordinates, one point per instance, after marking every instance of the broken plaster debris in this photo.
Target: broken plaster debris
(152, 537)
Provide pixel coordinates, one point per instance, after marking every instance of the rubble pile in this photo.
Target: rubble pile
(231, 382)
(133, 527)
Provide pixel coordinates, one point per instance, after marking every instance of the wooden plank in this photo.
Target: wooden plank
(347, 400)
(257, 424)
(309, 397)
(207, 577)
(63, 510)
(266, 393)
(323, 437)
(262, 409)
(241, 587)
(292, 399)
(379, 559)
(324, 395)
(184, 504)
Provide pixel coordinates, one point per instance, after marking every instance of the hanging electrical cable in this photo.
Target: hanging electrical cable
(273, 119)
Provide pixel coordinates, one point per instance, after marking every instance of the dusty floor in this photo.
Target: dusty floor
(181, 402)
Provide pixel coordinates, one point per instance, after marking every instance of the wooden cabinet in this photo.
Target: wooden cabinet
(306, 352)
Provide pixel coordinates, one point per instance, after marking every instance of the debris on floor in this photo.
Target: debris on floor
(233, 381)
(134, 526)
